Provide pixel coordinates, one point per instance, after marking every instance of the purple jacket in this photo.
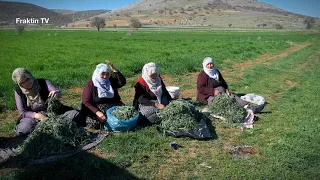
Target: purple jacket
(30, 111)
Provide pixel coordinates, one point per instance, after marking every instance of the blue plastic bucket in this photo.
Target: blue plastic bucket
(117, 125)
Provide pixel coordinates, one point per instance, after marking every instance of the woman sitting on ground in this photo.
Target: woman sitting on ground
(211, 84)
(99, 94)
(31, 97)
(151, 94)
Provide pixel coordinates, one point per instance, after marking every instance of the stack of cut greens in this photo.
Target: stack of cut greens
(53, 136)
(226, 107)
(124, 112)
(179, 115)
(54, 107)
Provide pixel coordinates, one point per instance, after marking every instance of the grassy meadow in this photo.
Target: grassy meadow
(68, 58)
(281, 66)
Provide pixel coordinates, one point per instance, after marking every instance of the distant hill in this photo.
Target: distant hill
(218, 13)
(9, 11)
(206, 4)
(63, 11)
(84, 15)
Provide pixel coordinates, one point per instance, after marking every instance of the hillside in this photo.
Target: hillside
(63, 11)
(84, 15)
(215, 13)
(9, 11)
(218, 13)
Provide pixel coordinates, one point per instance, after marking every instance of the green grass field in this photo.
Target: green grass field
(68, 58)
(284, 140)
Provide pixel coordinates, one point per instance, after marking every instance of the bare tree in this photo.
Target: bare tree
(309, 22)
(20, 28)
(135, 23)
(98, 22)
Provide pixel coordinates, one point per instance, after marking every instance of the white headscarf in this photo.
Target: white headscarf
(212, 73)
(153, 84)
(20, 75)
(104, 87)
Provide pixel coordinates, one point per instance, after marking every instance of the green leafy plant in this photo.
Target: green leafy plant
(124, 112)
(226, 107)
(179, 115)
(54, 135)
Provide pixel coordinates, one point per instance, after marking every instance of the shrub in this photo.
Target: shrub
(98, 22)
(309, 22)
(20, 28)
(135, 23)
(278, 26)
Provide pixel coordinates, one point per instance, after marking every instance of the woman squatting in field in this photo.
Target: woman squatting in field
(99, 94)
(211, 84)
(31, 97)
(151, 94)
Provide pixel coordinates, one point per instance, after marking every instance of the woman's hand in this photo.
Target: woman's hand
(228, 92)
(101, 116)
(111, 66)
(159, 106)
(40, 116)
(53, 94)
(216, 92)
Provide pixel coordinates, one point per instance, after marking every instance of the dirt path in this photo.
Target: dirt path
(233, 72)
(263, 59)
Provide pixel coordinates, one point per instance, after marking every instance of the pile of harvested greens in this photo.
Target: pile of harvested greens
(226, 107)
(53, 136)
(179, 115)
(54, 107)
(124, 112)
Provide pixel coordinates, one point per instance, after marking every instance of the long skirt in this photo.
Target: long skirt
(150, 112)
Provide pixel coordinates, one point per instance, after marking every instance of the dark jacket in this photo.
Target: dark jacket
(90, 98)
(143, 95)
(206, 85)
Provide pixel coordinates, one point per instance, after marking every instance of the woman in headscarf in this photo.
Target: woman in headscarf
(31, 97)
(210, 84)
(99, 94)
(151, 94)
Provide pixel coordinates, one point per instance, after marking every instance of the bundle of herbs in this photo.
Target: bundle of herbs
(226, 107)
(124, 112)
(179, 115)
(53, 136)
(55, 107)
